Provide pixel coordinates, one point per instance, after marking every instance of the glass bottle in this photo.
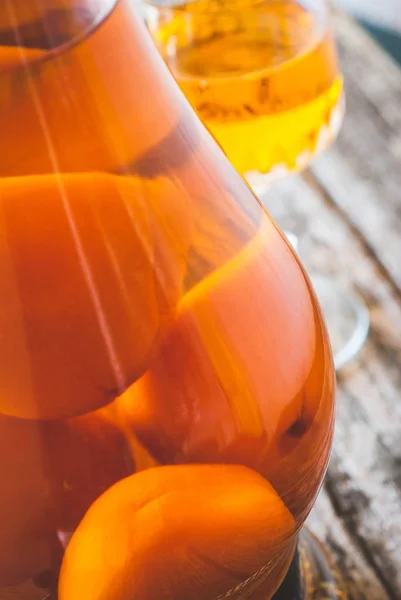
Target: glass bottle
(167, 400)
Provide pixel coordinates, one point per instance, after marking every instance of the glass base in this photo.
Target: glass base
(345, 313)
(312, 575)
(346, 316)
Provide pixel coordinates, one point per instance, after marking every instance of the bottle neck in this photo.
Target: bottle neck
(49, 24)
(101, 103)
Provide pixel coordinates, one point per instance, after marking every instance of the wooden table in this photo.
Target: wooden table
(347, 212)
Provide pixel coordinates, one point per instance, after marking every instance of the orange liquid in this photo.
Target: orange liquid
(263, 76)
(151, 315)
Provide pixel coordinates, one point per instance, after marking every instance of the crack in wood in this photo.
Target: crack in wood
(349, 522)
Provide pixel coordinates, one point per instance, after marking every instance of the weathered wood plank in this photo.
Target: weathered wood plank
(364, 477)
(361, 178)
(371, 69)
(361, 173)
(360, 579)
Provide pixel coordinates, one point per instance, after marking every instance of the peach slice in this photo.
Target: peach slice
(226, 382)
(176, 533)
(91, 269)
(11, 56)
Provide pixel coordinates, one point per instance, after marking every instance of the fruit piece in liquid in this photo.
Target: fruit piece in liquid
(84, 303)
(241, 378)
(173, 530)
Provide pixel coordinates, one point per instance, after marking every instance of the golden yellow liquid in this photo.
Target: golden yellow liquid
(263, 77)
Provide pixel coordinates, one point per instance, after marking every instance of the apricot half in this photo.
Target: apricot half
(175, 533)
(91, 268)
(226, 382)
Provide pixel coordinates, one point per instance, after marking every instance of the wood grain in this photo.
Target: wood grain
(347, 213)
(361, 174)
(360, 579)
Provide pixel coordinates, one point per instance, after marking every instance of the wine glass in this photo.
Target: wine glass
(166, 415)
(264, 77)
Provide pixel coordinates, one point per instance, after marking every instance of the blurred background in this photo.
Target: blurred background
(382, 18)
